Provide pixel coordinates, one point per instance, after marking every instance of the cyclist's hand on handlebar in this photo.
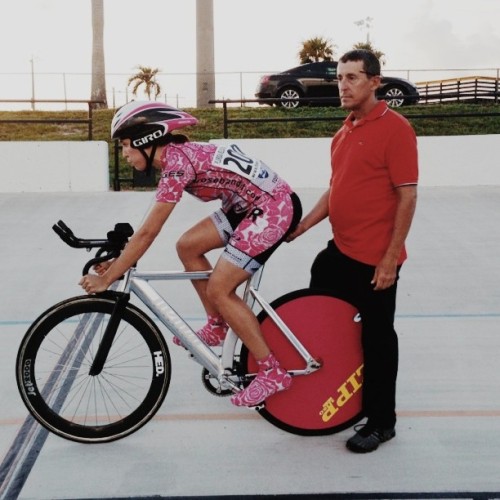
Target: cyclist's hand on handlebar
(93, 284)
(101, 268)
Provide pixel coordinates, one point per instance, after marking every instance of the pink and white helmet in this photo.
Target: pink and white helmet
(147, 122)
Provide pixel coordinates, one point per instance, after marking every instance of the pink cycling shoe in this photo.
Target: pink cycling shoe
(270, 379)
(213, 333)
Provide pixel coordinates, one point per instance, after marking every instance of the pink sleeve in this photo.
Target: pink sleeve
(176, 174)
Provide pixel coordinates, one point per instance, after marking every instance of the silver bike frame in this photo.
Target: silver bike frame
(218, 366)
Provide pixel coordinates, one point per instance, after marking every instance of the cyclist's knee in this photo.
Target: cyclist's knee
(188, 246)
(215, 290)
(218, 290)
(182, 247)
(197, 241)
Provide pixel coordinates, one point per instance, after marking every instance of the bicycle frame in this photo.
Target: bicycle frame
(218, 366)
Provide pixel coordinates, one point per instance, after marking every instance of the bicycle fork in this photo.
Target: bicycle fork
(122, 300)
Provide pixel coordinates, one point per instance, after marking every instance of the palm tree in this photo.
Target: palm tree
(98, 84)
(205, 72)
(368, 46)
(316, 49)
(147, 77)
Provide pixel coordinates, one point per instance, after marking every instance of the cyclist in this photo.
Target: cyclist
(259, 210)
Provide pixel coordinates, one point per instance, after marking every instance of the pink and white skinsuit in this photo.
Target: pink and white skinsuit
(258, 207)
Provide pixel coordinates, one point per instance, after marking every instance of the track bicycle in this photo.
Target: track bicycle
(96, 368)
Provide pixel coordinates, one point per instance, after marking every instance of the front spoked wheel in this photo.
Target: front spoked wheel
(54, 359)
(329, 399)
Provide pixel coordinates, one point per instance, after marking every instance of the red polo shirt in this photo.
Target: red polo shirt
(369, 160)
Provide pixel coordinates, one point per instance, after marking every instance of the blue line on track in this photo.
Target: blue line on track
(398, 316)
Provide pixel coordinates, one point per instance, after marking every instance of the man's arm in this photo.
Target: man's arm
(315, 215)
(385, 272)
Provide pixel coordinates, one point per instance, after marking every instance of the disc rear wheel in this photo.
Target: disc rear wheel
(329, 399)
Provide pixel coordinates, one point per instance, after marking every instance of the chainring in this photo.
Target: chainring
(212, 385)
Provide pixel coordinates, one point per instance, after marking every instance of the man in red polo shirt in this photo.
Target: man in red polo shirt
(370, 203)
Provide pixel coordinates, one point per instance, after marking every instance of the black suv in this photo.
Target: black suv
(319, 79)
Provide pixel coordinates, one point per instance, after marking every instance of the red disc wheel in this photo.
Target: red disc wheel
(328, 400)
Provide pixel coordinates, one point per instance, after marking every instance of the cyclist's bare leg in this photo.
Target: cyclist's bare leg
(271, 378)
(191, 249)
(221, 291)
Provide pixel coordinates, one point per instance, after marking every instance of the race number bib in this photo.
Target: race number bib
(232, 158)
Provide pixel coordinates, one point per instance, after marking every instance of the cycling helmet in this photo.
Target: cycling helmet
(147, 123)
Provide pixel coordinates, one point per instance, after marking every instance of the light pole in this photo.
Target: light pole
(366, 22)
(32, 61)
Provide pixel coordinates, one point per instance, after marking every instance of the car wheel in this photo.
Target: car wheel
(394, 96)
(288, 94)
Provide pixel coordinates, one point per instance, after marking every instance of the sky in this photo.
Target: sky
(53, 39)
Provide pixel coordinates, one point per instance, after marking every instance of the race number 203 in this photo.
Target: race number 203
(232, 158)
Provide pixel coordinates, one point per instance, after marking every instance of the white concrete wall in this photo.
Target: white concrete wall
(471, 160)
(54, 166)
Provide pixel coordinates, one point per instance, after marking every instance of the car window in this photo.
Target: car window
(319, 70)
(331, 72)
(306, 69)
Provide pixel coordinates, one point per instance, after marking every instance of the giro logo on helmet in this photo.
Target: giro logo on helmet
(147, 138)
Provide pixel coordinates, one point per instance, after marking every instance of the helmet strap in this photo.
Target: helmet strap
(149, 159)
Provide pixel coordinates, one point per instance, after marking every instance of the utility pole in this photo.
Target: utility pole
(32, 61)
(205, 67)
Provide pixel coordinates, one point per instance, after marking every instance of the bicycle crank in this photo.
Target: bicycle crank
(213, 385)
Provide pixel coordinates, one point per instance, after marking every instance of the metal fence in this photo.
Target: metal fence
(229, 103)
(84, 121)
(468, 89)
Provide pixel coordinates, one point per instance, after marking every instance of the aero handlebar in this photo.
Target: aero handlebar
(108, 248)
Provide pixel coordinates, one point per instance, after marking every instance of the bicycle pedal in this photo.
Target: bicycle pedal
(213, 386)
(256, 408)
